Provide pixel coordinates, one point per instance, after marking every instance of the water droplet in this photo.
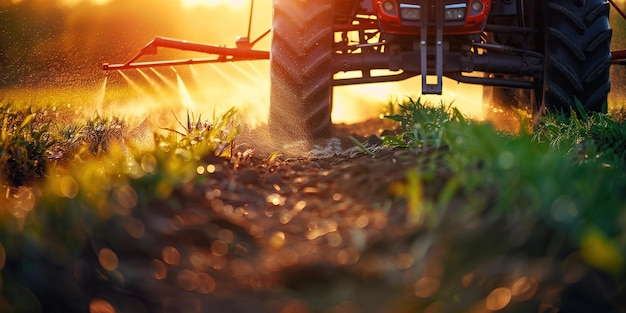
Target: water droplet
(148, 163)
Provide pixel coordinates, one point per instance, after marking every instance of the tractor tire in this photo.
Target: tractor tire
(300, 71)
(577, 55)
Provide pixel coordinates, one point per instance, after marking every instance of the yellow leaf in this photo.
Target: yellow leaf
(415, 197)
(397, 189)
(601, 252)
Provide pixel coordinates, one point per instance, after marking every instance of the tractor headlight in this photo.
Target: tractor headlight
(389, 7)
(477, 7)
(410, 12)
(455, 12)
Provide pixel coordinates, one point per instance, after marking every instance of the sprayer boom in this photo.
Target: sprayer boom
(243, 52)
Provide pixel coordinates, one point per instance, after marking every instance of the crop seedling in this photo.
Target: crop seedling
(24, 145)
(524, 177)
(100, 131)
(421, 124)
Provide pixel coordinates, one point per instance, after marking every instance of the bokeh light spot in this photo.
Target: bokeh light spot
(206, 283)
(127, 197)
(275, 199)
(100, 306)
(160, 270)
(348, 256)
(69, 187)
(108, 259)
(3, 256)
(467, 279)
(148, 163)
(426, 286)
(403, 261)
(210, 168)
(171, 255)
(188, 280)
(296, 306)
(524, 288)
(300, 205)
(219, 248)
(226, 235)
(277, 240)
(362, 221)
(135, 228)
(498, 299)
(334, 239)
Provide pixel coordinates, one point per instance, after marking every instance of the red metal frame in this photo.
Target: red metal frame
(224, 54)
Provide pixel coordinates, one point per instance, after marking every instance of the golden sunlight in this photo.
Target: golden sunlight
(71, 3)
(194, 3)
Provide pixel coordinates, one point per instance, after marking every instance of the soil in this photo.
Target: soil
(326, 231)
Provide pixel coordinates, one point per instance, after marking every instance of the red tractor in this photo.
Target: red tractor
(550, 54)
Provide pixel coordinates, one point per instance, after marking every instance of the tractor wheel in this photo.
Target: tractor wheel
(300, 70)
(577, 55)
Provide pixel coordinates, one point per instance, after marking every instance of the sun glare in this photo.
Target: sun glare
(72, 3)
(194, 3)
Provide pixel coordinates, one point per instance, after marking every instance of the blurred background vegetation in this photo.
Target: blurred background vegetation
(55, 43)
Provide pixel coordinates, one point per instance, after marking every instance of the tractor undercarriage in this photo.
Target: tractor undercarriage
(355, 52)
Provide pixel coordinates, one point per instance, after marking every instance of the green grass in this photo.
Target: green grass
(569, 174)
(24, 145)
(80, 175)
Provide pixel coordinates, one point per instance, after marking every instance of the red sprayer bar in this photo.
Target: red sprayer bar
(619, 57)
(242, 52)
